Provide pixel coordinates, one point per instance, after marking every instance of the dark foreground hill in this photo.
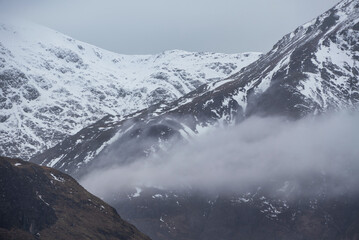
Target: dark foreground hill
(43, 203)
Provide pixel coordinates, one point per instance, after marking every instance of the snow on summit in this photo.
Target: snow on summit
(52, 85)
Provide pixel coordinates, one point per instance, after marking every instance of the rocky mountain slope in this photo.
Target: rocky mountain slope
(310, 71)
(52, 86)
(257, 215)
(42, 203)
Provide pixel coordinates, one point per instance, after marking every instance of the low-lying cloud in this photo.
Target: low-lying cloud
(258, 151)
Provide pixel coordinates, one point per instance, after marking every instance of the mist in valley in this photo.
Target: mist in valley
(306, 156)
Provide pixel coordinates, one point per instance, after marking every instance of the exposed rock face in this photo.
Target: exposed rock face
(42, 203)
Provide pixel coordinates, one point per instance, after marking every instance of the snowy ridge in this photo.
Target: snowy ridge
(52, 85)
(317, 63)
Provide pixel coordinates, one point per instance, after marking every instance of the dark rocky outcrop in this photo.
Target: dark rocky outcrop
(43, 203)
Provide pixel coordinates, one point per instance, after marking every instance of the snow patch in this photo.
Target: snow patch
(59, 179)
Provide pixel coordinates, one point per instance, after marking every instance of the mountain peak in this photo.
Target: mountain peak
(52, 85)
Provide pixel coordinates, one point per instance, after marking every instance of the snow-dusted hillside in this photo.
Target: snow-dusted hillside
(52, 85)
(315, 68)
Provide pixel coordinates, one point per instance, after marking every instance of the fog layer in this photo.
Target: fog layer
(258, 151)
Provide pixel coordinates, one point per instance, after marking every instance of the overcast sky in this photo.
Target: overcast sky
(153, 26)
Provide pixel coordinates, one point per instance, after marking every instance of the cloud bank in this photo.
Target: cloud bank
(260, 151)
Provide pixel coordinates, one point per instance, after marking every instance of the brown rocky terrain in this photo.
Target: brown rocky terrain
(42, 203)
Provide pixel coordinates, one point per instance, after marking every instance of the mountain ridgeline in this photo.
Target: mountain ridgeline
(312, 70)
(52, 86)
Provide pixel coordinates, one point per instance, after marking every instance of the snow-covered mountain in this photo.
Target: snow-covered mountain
(52, 86)
(312, 70)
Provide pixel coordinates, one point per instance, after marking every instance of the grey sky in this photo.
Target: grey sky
(145, 27)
